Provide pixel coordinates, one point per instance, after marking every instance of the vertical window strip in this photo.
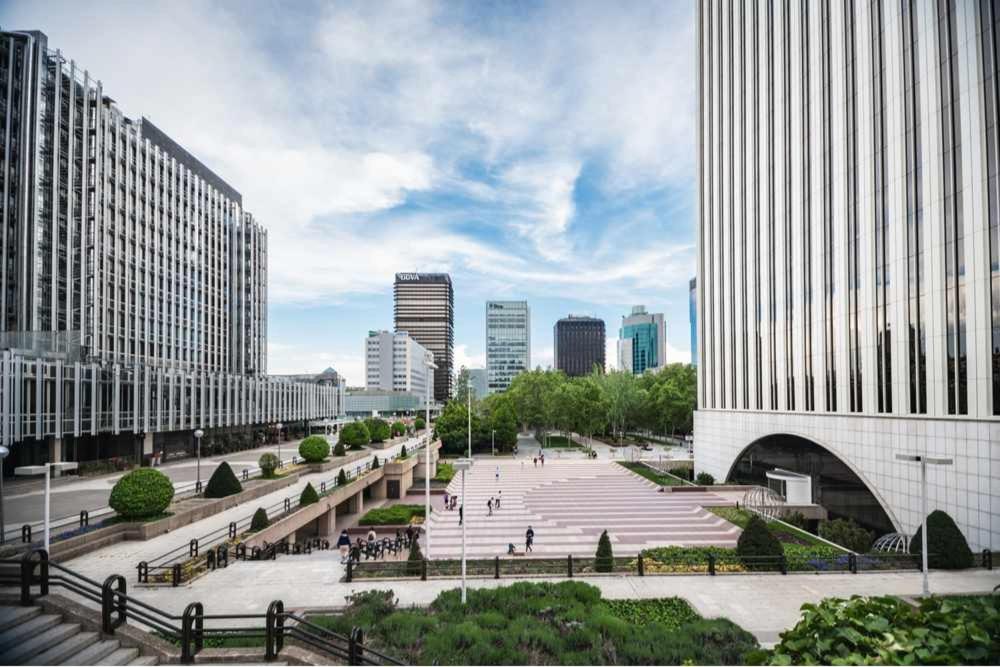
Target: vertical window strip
(707, 290)
(758, 307)
(806, 215)
(989, 21)
(731, 264)
(745, 118)
(883, 338)
(771, 222)
(853, 276)
(786, 37)
(828, 237)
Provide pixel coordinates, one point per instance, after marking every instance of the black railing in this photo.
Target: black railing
(33, 571)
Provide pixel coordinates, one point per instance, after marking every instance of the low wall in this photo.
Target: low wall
(334, 463)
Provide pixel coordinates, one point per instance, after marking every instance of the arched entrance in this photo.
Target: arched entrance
(835, 485)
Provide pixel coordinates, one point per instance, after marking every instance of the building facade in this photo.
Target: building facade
(425, 309)
(479, 382)
(848, 287)
(578, 345)
(396, 362)
(693, 319)
(508, 342)
(133, 284)
(642, 342)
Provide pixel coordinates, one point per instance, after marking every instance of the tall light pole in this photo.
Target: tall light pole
(468, 395)
(463, 465)
(197, 438)
(45, 469)
(427, 455)
(923, 461)
(3, 454)
(493, 441)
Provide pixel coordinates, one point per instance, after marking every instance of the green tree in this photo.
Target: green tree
(141, 493)
(414, 561)
(268, 463)
(947, 548)
(309, 495)
(623, 398)
(259, 520)
(375, 463)
(314, 449)
(605, 558)
(378, 429)
(419, 424)
(453, 430)
(503, 422)
(354, 435)
(757, 547)
(398, 429)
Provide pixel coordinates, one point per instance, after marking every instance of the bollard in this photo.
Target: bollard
(232, 530)
(987, 559)
(245, 471)
(288, 504)
(84, 518)
(569, 565)
(210, 559)
(783, 562)
(176, 575)
(350, 571)
(222, 555)
(852, 563)
(143, 568)
(241, 551)
(496, 567)
(423, 569)
(26, 534)
(322, 487)
(193, 548)
(642, 566)
(711, 564)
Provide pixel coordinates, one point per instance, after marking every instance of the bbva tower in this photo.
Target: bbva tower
(849, 253)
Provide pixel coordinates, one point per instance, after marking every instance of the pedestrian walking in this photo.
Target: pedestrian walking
(461, 514)
(535, 461)
(489, 507)
(409, 534)
(497, 505)
(498, 474)
(543, 460)
(344, 544)
(529, 539)
(446, 500)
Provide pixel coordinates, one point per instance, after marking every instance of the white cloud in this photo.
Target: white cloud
(290, 359)
(470, 360)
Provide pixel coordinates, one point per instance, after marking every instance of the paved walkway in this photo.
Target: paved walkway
(568, 503)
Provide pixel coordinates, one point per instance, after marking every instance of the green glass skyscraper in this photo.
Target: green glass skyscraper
(642, 341)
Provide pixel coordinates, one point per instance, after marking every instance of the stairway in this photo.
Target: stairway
(29, 636)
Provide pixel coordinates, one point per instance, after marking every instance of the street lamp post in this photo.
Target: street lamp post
(493, 441)
(3, 454)
(463, 465)
(468, 395)
(923, 461)
(45, 469)
(427, 459)
(198, 434)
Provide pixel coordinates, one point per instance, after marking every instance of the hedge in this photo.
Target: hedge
(141, 493)
(391, 515)
(946, 545)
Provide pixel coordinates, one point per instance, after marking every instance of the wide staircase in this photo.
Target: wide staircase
(30, 636)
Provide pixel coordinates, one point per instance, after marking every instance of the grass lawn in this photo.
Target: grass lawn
(391, 515)
(531, 623)
(785, 534)
(663, 479)
(559, 442)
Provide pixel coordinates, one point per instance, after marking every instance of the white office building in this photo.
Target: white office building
(397, 362)
(848, 287)
(508, 342)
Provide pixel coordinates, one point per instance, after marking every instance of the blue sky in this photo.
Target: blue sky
(539, 151)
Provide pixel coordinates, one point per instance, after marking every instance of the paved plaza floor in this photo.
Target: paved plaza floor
(568, 503)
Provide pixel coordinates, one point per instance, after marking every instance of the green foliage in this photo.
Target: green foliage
(398, 428)
(341, 477)
(338, 449)
(375, 463)
(888, 631)
(378, 429)
(704, 479)
(354, 435)
(259, 520)
(419, 424)
(268, 463)
(309, 495)
(141, 493)
(797, 519)
(402, 452)
(649, 473)
(785, 534)
(415, 559)
(946, 545)
(756, 542)
(223, 482)
(445, 472)
(542, 624)
(847, 534)
(314, 449)
(391, 515)
(683, 473)
(604, 560)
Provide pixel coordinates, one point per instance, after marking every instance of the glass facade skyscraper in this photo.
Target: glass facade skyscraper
(508, 342)
(642, 341)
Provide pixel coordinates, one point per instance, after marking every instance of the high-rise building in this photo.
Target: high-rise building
(848, 242)
(579, 345)
(133, 284)
(425, 308)
(642, 341)
(478, 383)
(508, 342)
(693, 319)
(396, 362)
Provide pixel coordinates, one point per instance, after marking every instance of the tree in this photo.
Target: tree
(378, 429)
(314, 449)
(141, 493)
(757, 547)
(309, 495)
(223, 482)
(414, 562)
(623, 398)
(259, 520)
(341, 477)
(268, 463)
(847, 534)
(502, 421)
(452, 427)
(419, 424)
(338, 450)
(605, 558)
(402, 452)
(398, 429)
(354, 435)
(947, 548)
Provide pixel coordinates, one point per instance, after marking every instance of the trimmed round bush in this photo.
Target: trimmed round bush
(375, 463)
(415, 560)
(946, 545)
(314, 449)
(354, 435)
(402, 452)
(398, 429)
(259, 520)
(341, 477)
(378, 429)
(847, 534)
(756, 542)
(141, 493)
(338, 449)
(223, 482)
(268, 463)
(704, 479)
(419, 424)
(309, 495)
(605, 558)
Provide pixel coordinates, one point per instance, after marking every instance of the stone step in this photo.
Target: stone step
(11, 616)
(93, 653)
(120, 656)
(24, 651)
(19, 633)
(153, 660)
(64, 649)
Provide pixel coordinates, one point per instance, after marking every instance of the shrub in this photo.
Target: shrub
(797, 519)
(445, 472)
(419, 424)
(314, 449)
(259, 520)
(391, 515)
(141, 493)
(402, 452)
(309, 495)
(847, 534)
(341, 477)
(605, 559)
(704, 479)
(757, 542)
(268, 463)
(354, 435)
(946, 545)
(683, 473)
(378, 429)
(413, 563)
(338, 450)
(398, 429)
(375, 463)
(223, 482)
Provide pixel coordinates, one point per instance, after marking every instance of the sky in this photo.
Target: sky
(533, 150)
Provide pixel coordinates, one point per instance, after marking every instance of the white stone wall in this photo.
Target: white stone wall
(968, 490)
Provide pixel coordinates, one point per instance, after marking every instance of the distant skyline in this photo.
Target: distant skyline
(502, 144)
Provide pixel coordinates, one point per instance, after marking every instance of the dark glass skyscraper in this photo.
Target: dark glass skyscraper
(579, 345)
(425, 309)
